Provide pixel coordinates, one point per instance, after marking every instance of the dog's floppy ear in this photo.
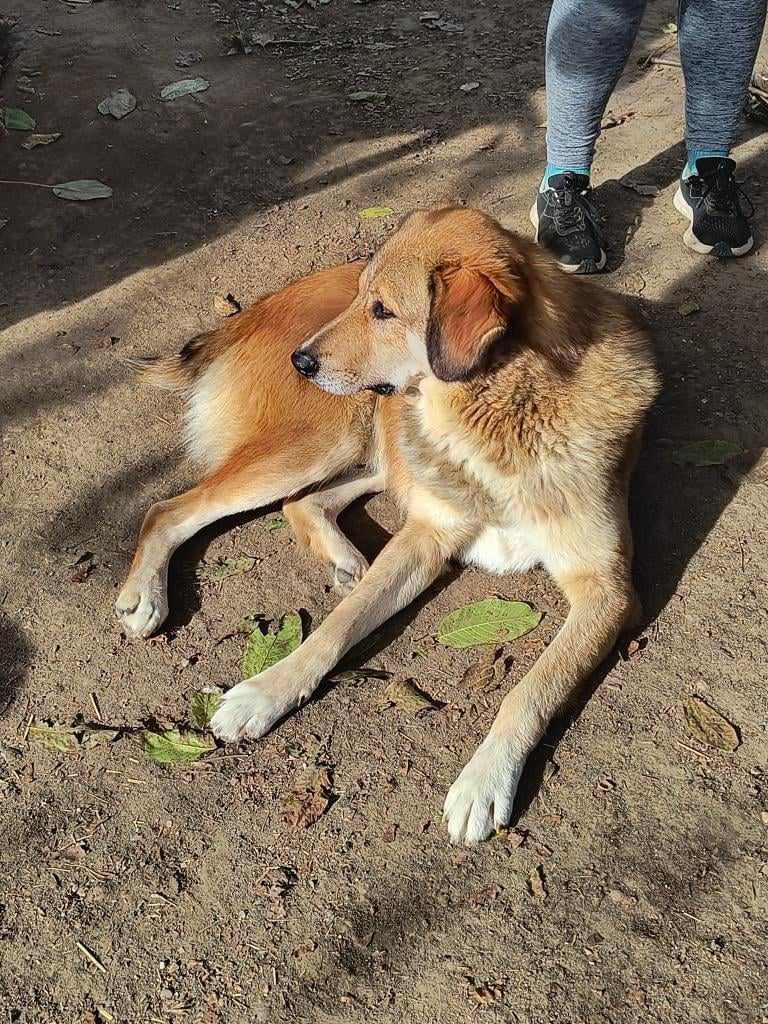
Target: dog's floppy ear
(471, 308)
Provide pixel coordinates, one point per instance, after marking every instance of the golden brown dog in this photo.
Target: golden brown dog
(517, 398)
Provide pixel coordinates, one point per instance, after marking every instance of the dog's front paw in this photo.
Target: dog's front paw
(481, 799)
(142, 607)
(250, 709)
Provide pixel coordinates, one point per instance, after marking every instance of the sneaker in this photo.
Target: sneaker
(566, 223)
(712, 202)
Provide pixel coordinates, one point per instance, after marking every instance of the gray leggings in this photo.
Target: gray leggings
(588, 43)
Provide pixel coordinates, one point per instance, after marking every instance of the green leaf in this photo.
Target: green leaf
(705, 453)
(202, 707)
(174, 747)
(119, 104)
(223, 568)
(184, 87)
(265, 649)
(487, 622)
(372, 212)
(365, 96)
(278, 523)
(18, 120)
(52, 737)
(84, 188)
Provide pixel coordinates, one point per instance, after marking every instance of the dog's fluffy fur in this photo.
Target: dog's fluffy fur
(519, 398)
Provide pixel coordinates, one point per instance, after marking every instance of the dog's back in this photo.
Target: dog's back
(238, 381)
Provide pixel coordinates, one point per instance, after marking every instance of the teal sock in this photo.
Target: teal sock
(551, 170)
(697, 154)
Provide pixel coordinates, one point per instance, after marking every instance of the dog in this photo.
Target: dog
(500, 401)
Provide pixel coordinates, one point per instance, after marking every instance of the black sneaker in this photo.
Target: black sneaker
(566, 223)
(712, 202)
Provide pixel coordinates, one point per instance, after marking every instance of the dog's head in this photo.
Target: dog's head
(444, 293)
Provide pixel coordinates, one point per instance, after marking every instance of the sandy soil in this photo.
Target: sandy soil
(133, 892)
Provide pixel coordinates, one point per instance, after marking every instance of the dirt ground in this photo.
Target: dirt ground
(133, 892)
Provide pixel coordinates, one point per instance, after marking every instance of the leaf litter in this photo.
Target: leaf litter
(17, 120)
(82, 189)
(537, 883)
(184, 87)
(493, 620)
(310, 798)
(119, 104)
(226, 305)
(224, 568)
(203, 706)
(265, 649)
(374, 212)
(408, 697)
(487, 672)
(53, 737)
(366, 96)
(174, 747)
(710, 727)
(705, 453)
(32, 141)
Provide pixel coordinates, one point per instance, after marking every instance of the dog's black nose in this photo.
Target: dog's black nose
(305, 363)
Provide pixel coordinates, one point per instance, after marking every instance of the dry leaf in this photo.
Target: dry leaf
(309, 801)
(515, 838)
(688, 307)
(485, 995)
(536, 883)
(708, 726)
(622, 900)
(641, 188)
(615, 120)
(487, 672)
(366, 96)
(406, 695)
(224, 568)
(226, 305)
(32, 141)
(119, 104)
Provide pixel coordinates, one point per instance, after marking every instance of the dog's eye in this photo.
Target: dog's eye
(380, 311)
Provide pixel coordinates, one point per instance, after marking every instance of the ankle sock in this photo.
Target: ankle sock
(698, 154)
(551, 170)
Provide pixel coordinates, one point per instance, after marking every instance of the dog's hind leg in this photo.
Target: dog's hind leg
(313, 518)
(254, 476)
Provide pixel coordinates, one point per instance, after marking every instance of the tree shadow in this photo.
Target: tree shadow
(18, 652)
(674, 507)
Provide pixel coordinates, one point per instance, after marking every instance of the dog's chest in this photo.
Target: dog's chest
(503, 549)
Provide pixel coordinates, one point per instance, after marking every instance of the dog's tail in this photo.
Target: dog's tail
(180, 371)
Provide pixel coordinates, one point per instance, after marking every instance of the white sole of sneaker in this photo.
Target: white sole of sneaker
(569, 268)
(691, 241)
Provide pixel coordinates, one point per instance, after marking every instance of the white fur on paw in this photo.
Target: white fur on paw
(248, 711)
(480, 800)
(348, 571)
(142, 607)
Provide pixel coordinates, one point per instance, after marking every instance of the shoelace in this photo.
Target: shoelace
(722, 193)
(569, 215)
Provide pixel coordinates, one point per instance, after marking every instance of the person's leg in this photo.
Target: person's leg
(718, 45)
(588, 42)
